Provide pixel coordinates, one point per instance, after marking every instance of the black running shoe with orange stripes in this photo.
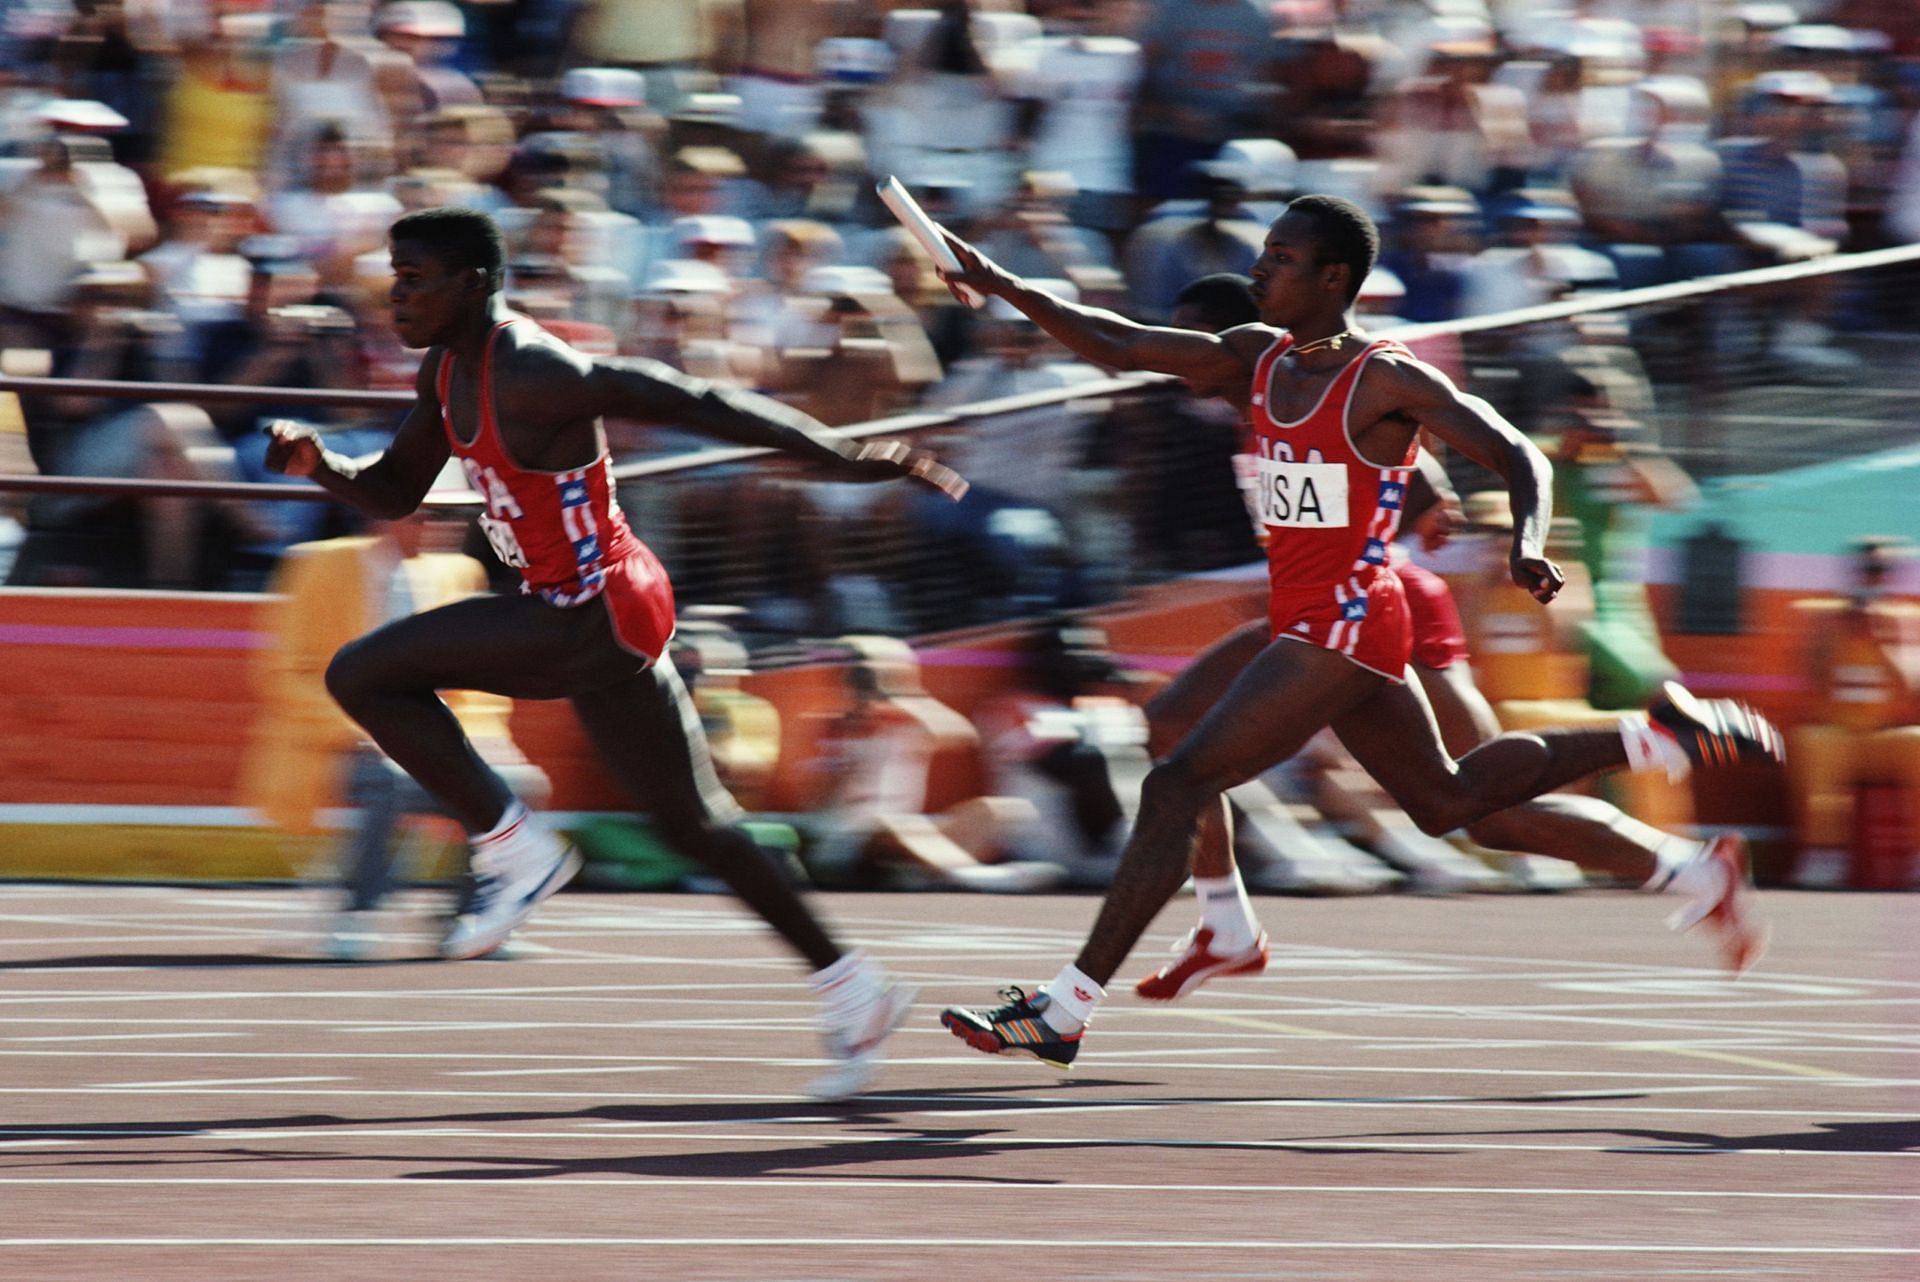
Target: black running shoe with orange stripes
(1014, 1029)
(1715, 732)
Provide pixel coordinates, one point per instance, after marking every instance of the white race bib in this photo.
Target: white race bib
(506, 544)
(1301, 495)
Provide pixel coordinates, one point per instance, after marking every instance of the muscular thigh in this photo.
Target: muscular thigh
(1279, 701)
(518, 646)
(1394, 737)
(1465, 718)
(1201, 683)
(649, 737)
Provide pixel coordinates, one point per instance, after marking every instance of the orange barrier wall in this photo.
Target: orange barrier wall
(145, 699)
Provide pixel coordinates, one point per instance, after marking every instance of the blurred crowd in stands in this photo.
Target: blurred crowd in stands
(198, 190)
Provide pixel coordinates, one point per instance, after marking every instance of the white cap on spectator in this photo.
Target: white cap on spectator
(846, 279)
(1799, 86)
(604, 87)
(1382, 286)
(995, 29)
(853, 60)
(433, 19)
(79, 115)
(712, 229)
(1262, 166)
(1065, 290)
(1813, 37)
(686, 276)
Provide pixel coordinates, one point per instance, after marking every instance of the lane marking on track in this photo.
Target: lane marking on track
(119, 1037)
(1265, 1025)
(1734, 1081)
(1426, 1104)
(972, 1242)
(1749, 1061)
(163, 1087)
(911, 1184)
(90, 1138)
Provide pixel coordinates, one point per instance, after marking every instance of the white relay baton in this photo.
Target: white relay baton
(904, 207)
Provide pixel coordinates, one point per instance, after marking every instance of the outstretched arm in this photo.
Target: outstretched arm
(632, 387)
(388, 486)
(1208, 361)
(1471, 425)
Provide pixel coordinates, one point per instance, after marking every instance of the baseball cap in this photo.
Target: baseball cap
(712, 229)
(1797, 86)
(604, 87)
(1259, 165)
(434, 19)
(80, 115)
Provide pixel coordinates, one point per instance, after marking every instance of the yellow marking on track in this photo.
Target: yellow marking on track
(1264, 1025)
(1750, 1061)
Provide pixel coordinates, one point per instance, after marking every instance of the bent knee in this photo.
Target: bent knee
(349, 674)
(1441, 814)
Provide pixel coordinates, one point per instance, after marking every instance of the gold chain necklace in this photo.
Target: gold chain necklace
(1331, 340)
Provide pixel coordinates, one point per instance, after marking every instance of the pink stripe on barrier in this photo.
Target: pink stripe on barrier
(1772, 682)
(958, 657)
(131, 638)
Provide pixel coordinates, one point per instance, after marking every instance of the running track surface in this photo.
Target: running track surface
(1483, 1088)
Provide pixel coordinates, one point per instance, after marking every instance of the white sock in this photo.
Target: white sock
(844, 983)
(1226, 910)
(1669, 857)
(1071, 1000)
(510, 818)
(1651, 748)
(1699, 878)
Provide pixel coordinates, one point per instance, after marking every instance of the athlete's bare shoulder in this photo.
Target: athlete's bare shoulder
(539, 376)
(1250, 342)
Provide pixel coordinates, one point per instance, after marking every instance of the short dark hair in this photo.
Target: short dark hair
(1224, 299)
(1346, 235)
(460, 238)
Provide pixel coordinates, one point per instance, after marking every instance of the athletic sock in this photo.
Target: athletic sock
(510, 818)
(1072, 998)
(1669, 857)
(1700, 878)
(1651, 748)
(843, 985)
(1226, 910)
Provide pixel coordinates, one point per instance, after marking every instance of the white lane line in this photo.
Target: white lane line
(90, 1139)
(196, 1084)
(548, 1072)
(913, 1185)
(973, 1242)
(116, 1037)
(1424, 1104)
(1338, 1070)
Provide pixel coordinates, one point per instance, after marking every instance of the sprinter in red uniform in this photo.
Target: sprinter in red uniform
(522, 410)
(1228, 940)
(1337, 418)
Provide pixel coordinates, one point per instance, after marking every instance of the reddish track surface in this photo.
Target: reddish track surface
(1487, 1088)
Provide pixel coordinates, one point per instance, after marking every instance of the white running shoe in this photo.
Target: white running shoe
(508, 886)
(856, 1029)
(1738, 931)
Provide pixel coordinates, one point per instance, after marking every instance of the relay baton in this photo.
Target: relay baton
(904, 207)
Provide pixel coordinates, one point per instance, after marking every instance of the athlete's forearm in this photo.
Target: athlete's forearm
(1091, 333)
(367, 486)
(1530, 496)
(658, 393)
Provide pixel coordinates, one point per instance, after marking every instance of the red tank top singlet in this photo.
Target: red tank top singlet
(1330, 514)
(563, 531)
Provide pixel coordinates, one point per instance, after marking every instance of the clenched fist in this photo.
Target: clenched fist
(293, 449)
